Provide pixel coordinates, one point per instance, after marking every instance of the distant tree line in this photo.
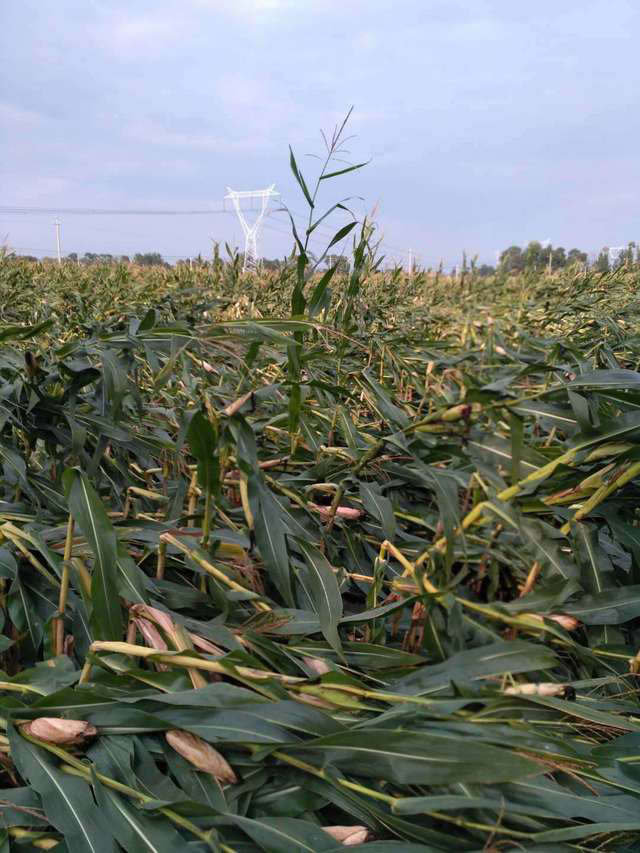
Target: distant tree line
(536, 257)
(146, 259)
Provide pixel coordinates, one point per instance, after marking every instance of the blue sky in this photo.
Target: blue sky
(487, 123)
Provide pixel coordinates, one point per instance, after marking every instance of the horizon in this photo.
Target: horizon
(486, 126)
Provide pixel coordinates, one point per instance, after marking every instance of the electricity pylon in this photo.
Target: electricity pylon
(251, 231)
(614, 254)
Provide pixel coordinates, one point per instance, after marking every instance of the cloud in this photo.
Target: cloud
(246, 7)
(147, 29)
(36, 190)
(19, 117)
(140, 35)
(153, 133)
(366, 41)
(241, 91)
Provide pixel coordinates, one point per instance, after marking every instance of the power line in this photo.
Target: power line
(97, 211)
(28, 211)
(328, 233)
(6, 210)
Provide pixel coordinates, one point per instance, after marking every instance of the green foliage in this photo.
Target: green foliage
(148, 259)
(536, 257)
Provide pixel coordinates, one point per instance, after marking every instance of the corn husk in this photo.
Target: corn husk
(348, 835)
(347, 512)
(544, 688)
(201, 754)
(316, 665)
(56, 730)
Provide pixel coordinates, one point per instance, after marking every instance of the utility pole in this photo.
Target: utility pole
(410, 262)
(57, 224)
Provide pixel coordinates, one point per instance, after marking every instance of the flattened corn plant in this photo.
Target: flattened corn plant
(299, 561)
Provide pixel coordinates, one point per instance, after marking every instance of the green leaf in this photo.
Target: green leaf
(203, 443)
(341, 234)
(134, 830)
(29, 811)
(546, 545)
(232, 726)
(90, 516)
(67, 800)
(607, 380)
(285, 834)
(597, 570)
(317, 300)
(609, 607)
(380, 507)
(299, 178)
(270, 530)
(8, 565)
(517, 443)
(473, 664)
(364, 656)
(616, 428)
(419, 758)
(446, 490)
(444, 803)
(573, 833)
(560, 801)
(21, 333)
(323, 590)
(344, 171)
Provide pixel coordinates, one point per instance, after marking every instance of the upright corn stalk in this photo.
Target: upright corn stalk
(306, 266)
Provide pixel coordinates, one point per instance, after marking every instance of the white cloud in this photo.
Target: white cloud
(149, 34)
(145, 29)
(152, 133)
(241, 92)
(246, 7)
(38, 190)
(366, 41)
(13, 116)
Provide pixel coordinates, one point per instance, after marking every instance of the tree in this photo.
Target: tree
(512, 260)
(575, 256)
(485, 270)
(602, 264)
(536, 256)
(270, 263)
(148, 259)
(558, 257)
(628, 255)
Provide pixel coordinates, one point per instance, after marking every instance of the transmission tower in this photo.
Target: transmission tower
(251, 231)
(614, 254)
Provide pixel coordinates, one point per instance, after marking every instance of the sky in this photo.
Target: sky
(486, 123)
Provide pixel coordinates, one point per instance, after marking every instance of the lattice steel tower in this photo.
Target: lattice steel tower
(251, 231)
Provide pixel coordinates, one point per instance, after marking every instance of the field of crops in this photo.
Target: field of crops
(293, 562)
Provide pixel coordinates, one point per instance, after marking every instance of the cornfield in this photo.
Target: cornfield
(304, 560)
